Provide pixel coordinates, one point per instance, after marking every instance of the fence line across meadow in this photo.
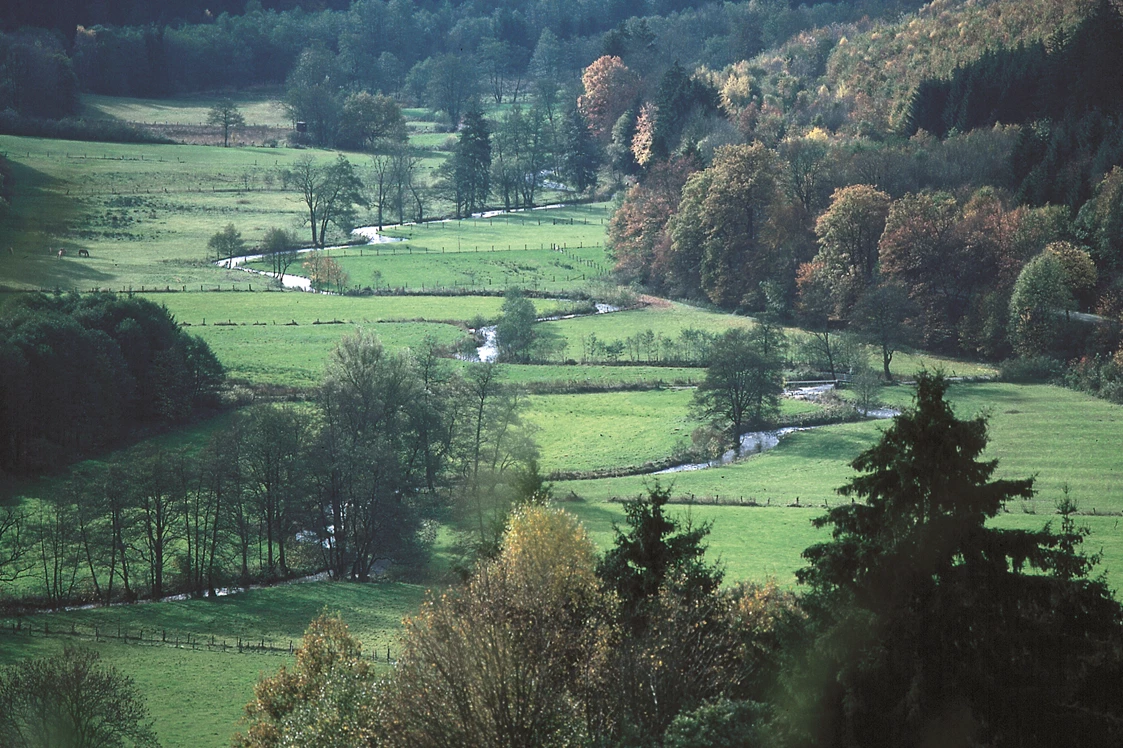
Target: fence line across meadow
(157, 637)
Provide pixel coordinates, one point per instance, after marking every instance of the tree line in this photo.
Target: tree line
(351, 483)
(916, 618)
(902, 243)
(432, 53)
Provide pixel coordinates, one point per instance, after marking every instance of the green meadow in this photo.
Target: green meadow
(144, 212)
(600, 431)
(1062, 438)
(567, 227)
(403, 266)
(196, 695)
(764, 543)
(257, 107)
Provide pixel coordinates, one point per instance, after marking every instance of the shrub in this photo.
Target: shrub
(1030, 369)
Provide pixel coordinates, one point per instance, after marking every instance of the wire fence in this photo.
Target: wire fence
(160, 637)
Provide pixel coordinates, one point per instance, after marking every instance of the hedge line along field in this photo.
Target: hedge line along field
(306, 308)
(196, 695)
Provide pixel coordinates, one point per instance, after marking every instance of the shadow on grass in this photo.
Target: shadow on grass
(35, 227)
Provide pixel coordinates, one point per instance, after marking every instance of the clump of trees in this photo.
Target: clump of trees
(582, 649)
(350, 483)
(330, 191)
(744, 380)
(81, 371)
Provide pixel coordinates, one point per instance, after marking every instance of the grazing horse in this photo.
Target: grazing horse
(61, 253)
(83, 253)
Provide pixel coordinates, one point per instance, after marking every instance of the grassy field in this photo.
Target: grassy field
(1034, 430)
(668, 318)
(494, 253)
(262, 345)
(196, 696)
(257, 107)
(408, 267)
(570, 227)
(761, 543)
(144, 212)
(617, 429)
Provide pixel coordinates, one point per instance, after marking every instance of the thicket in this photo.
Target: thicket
(83, 371)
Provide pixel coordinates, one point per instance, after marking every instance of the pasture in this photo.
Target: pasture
(145, 212)
(601, 431)
(260, 108)
(1035, 430)
(762, 543)
(196, 694)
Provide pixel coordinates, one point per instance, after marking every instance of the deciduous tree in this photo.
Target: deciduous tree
(72, 699)
(329, 191)
(744, 379)
(515, 330)
(505, 660)
(281, 246)
(849, 233)
(325, 699)
(369, 119)
(730, 220)
(610, 88)
(226, 243)
(1038, 305)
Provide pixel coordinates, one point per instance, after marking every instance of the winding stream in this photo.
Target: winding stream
(755, 442)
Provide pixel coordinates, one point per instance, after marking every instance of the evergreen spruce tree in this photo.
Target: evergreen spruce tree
(936, 625)
(472, 163)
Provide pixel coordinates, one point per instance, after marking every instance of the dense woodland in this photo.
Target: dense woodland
(946, 176)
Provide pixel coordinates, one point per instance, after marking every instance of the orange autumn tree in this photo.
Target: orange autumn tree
(610, 88)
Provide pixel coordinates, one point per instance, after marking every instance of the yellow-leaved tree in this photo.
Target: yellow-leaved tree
(504, 660)
(323, 701)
